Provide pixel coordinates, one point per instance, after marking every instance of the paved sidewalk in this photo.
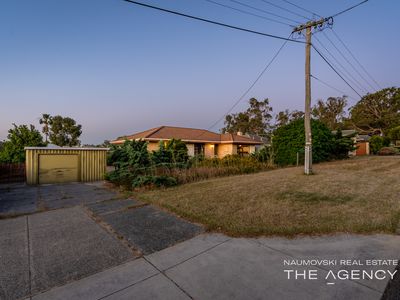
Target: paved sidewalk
(213, 266)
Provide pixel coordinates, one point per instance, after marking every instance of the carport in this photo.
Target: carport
(62, 164)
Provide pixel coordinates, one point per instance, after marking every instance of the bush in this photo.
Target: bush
(377, 142)
(246, 164)
(170, 165)
(131, 154)
(265, 155)
(211, 168)
(394, 133)
(174, 152)
(162, 155)
(288, 140)
(342, 146)
(136, 167)
(178, 150)
(159, 181)
(388, 151)
(130, 161)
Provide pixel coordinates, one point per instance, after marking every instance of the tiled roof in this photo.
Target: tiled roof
(187, 135)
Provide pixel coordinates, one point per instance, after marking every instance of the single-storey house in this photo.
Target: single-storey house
(198, 141)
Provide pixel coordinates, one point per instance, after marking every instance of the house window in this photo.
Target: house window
(216, 150)
(198, 149)
(243, 150)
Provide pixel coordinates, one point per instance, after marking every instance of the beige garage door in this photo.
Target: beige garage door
(57, 168)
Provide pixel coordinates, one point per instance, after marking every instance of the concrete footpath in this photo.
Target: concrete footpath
(213, 266)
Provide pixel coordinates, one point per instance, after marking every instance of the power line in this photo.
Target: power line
(248, 13)
(264, 11)
(350, 8)
(303, 9)
(349, 62)
(212, 22)
(252, 85)
(332, 16)
(319, 53)
(285, 9)
(350, 77)
(354, 57)
(332, 87)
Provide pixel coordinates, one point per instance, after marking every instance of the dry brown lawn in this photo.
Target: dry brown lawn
(360, 195)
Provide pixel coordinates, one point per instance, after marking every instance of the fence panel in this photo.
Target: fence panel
(12, 172)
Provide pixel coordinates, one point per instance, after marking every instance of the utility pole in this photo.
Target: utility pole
(307, 109)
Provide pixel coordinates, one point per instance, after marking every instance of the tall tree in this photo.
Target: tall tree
(296, 115)
(45, 120)
(19, 137)
(255, 120)
(282, 118)
(394, 134)
(285, 117)
(377, 113)
(331, 112)
(64, 131)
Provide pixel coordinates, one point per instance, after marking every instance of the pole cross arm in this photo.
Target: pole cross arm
(314, 24)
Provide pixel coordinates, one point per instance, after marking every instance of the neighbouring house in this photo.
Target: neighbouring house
(198, 141)
(362, 144)
(361, 141)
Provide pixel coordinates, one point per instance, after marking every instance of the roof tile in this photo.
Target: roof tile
(188, 135)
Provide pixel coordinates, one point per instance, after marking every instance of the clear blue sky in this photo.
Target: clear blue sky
(118, 68)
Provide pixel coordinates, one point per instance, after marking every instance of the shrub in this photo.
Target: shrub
(159, 181)
(388, 151)
(170, 165)
(135, 167)
(162, 155)
(265, 155)
(130, 154)
(173, 152)
(130, 160)
(178, 150)
(246, 164)
(288, 140)
(201, 168)
(377, 142)
(342, 145)
(165, 181)
(394, 133)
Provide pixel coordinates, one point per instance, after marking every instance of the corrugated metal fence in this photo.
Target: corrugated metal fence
(12, 172)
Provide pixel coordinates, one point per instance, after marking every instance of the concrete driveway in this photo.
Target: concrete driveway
(68, 232)
(18, 198)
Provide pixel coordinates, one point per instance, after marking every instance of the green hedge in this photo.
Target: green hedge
(289, 140)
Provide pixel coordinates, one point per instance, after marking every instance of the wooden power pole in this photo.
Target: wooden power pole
(307, 109)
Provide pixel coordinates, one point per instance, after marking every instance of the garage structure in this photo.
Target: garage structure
(59, 165)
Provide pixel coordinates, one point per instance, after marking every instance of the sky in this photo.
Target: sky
(118, 68)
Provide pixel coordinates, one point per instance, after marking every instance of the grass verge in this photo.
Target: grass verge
(360, 195)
